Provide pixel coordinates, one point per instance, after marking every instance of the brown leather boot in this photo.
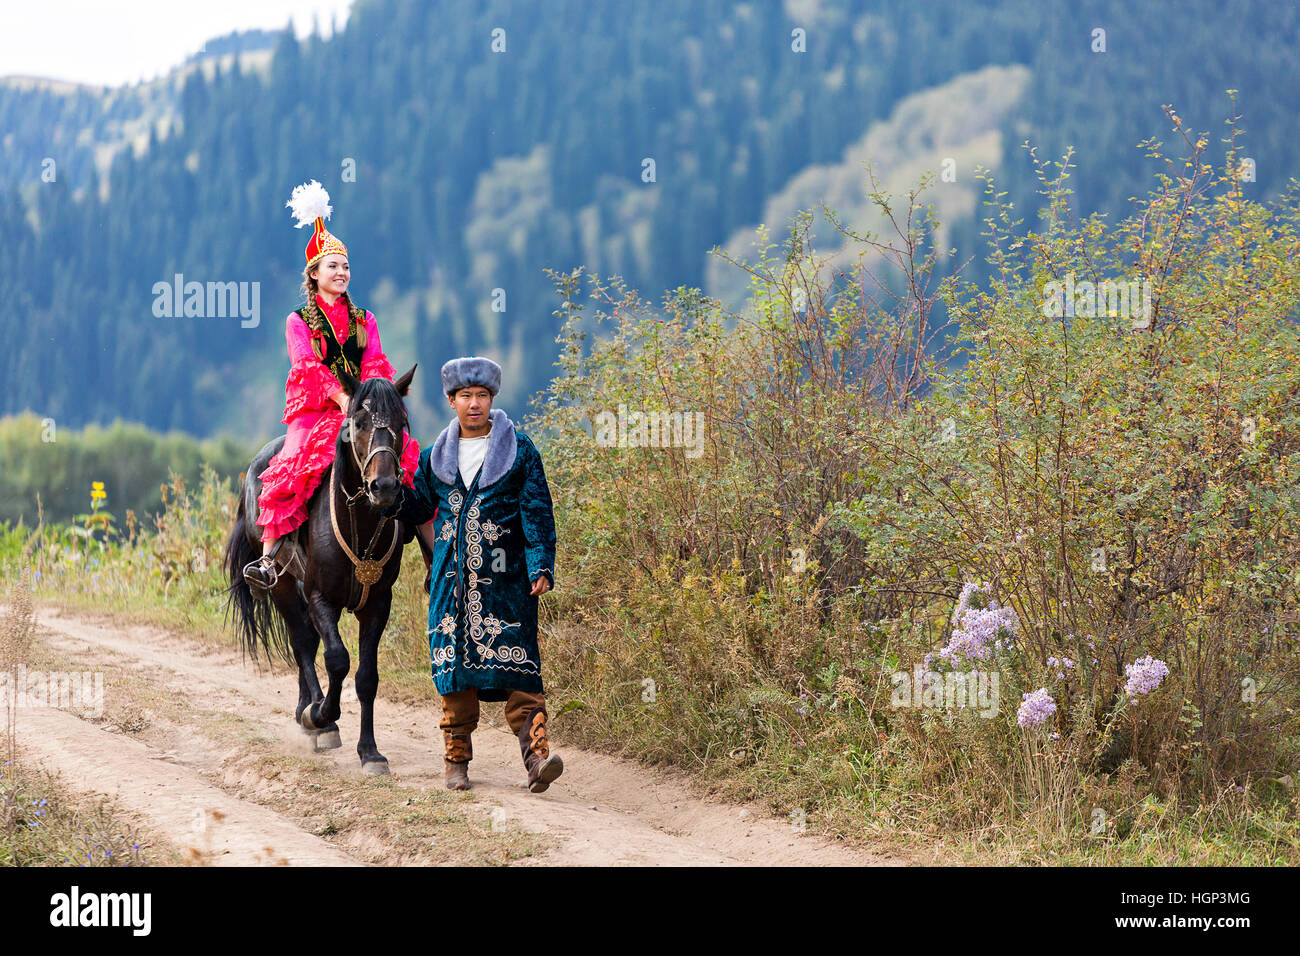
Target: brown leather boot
(457, 775)
(459, 751)
(543, 766)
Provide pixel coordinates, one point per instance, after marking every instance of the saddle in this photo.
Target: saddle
(289, 555)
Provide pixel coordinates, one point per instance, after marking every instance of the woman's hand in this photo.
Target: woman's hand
(343, 400)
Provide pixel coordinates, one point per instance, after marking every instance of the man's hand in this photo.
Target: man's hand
(540, 586)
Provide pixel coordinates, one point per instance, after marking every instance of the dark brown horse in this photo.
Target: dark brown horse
(348, 556)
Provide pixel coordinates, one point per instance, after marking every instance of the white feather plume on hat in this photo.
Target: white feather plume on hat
(309, 202)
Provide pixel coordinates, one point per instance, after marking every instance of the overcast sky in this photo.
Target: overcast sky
(120, 41)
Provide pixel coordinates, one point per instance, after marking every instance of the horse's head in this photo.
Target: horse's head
(372, 434)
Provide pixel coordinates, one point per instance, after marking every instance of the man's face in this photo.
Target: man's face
(473, 405)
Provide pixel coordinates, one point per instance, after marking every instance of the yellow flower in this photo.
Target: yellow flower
(97, 492)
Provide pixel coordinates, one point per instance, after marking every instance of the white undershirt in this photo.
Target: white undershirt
(470, 455)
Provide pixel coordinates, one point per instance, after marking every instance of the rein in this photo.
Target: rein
(366, 570)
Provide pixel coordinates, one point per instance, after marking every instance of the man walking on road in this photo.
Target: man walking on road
(493, 546)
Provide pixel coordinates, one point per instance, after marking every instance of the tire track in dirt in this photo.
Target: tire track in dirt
(602, 811)
(171, 797)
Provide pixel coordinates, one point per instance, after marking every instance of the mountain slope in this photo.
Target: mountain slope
(460, 173)
(960, 121)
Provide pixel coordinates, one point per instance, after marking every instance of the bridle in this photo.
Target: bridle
(366, 570)
(395, 447)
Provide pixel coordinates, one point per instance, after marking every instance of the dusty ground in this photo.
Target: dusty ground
(201, 749)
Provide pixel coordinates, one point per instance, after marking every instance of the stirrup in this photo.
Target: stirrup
(263, 565)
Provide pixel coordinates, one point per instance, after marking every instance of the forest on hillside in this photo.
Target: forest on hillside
(461, 174)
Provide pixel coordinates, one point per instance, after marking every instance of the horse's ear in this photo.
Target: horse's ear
(403, 384)
(349, 381)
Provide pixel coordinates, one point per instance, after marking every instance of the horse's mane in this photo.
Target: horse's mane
(383, 398)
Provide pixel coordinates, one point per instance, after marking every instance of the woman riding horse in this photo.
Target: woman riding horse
(327, 337)
(330, 485)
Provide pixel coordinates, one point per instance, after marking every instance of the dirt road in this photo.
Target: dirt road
(204, 753)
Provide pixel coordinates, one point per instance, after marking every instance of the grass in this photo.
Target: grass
(815, 764)
(43, 824)
(380, 820)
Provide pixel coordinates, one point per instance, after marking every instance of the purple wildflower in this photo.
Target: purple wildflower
(1035, 708)
(977, 631)
(1144, 675)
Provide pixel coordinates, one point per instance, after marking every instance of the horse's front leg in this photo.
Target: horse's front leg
(373, 619)
(304, 641)
(337, 663)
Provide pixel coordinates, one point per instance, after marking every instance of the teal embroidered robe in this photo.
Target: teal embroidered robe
(494, 539)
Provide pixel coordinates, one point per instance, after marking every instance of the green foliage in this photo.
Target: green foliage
(1125, 485)
(1125, 490)
(177, 554)
(57, 466)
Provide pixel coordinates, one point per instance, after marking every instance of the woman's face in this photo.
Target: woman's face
(332, 275)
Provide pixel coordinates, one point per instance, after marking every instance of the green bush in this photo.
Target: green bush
(49, 470)
(1123, 484)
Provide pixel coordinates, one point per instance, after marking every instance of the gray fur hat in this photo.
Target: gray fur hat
(472, 370)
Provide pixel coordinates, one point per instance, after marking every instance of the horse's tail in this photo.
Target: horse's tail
(257, 622)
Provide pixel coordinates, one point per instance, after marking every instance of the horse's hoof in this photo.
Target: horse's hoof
(375, 768)
(328, 740)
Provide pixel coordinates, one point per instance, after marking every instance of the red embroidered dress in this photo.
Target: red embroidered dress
(314, 419)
